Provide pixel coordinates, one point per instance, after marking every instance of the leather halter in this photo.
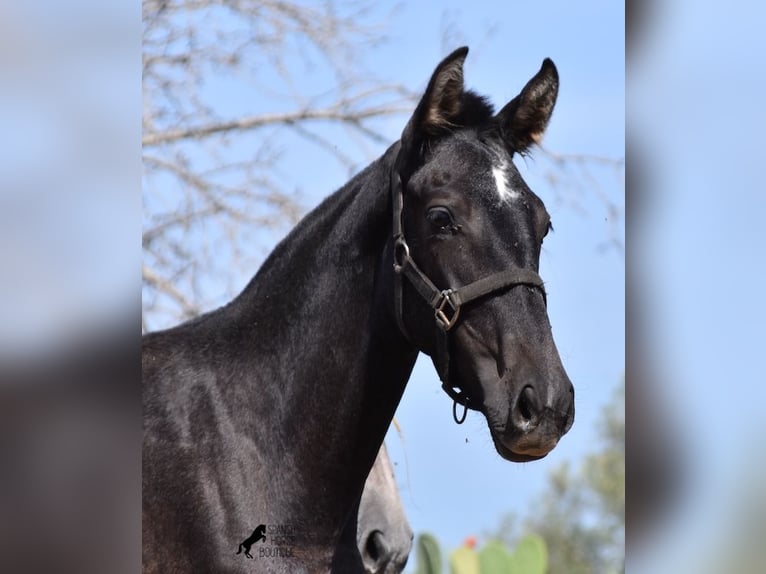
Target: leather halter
(446, 303)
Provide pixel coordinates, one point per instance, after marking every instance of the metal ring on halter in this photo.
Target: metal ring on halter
(454, 412)
(400, 243)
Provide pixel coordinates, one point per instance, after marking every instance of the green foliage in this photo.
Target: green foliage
(429, 556)
(529, 557)
(605, 470)
(494, 557)
(464, 560)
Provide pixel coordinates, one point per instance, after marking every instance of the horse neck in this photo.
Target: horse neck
(331, 363)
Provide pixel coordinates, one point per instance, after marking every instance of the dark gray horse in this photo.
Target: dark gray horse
(383, 534)
(271, 410)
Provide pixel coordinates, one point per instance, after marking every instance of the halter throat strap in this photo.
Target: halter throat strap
(446, 303)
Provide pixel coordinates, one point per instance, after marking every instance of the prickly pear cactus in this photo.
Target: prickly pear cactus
(429, 556)
(494, 558)
(529, 557)
(464, 560)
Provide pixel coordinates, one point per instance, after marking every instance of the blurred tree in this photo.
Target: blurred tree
(575, 176)
(581, 515)
(214, 74)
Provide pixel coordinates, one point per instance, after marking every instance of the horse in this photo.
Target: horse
(383, 534)
(271, 409)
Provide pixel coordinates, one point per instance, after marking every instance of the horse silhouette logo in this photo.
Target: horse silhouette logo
(258, 534)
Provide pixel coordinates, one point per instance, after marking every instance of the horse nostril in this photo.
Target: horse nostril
(526, 413)
(526, 403)
(375, 548)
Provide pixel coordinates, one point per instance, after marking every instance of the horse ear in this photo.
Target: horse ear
(441, 103)
(523, 120)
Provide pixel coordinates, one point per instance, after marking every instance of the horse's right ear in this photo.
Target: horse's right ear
(441, 103)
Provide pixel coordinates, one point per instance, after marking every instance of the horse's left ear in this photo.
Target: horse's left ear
(523, 120)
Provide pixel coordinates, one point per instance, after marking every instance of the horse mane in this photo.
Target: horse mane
(475, 110)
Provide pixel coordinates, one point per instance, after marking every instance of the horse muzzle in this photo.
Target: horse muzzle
(535, 422)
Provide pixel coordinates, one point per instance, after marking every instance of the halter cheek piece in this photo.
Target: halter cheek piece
(446, 303)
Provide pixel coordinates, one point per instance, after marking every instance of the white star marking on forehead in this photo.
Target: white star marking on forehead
(505, 192)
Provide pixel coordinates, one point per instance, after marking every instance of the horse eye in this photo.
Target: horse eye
(440, 217)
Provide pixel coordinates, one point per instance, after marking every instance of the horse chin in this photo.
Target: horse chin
(508, 454)
(529, 454)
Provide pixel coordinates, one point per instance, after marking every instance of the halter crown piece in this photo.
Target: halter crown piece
(446, 303)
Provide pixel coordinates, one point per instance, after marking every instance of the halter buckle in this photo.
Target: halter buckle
(444, 321)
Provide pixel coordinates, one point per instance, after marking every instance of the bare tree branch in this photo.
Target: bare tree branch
(586, 173)
(583, 158)
(152, 278)
(216, 180)
(336, 113)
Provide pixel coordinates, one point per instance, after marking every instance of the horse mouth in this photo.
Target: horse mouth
(508, 454)
(523, 450)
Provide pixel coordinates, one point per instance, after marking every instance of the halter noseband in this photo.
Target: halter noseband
(446, 303)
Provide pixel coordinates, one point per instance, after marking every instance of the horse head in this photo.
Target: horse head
(468, 233)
